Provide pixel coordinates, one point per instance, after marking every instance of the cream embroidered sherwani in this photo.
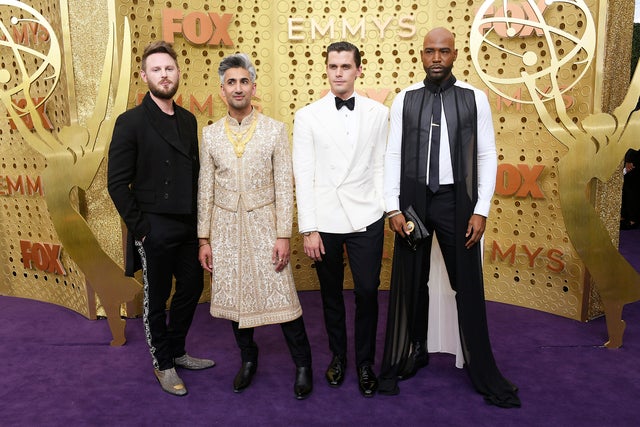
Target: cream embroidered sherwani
(244, 204)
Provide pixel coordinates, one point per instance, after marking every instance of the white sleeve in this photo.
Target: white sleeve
(392, 156)
(304, 173)
(487, 156)
(206, 184)
(379, 154)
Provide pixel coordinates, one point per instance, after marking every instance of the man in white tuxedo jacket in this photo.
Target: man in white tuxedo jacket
(338, 155)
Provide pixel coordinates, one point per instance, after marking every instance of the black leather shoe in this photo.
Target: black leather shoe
(244, 376)
(335, 371)
(304, 382)
(418, 358)
(367, 381)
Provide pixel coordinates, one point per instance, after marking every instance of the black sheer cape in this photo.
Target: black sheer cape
(409, 300)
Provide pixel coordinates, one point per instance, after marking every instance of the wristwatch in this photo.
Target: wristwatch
(308, 233)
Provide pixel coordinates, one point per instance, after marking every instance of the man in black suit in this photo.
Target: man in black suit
(631, 191)
(152, 179)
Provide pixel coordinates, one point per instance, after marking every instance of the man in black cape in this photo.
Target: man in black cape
(448, 122)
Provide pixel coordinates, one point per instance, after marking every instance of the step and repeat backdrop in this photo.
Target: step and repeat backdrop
(70, 67)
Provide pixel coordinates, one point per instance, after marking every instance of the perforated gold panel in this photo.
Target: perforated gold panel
(24, 215)
(529, 258)
(547, 55)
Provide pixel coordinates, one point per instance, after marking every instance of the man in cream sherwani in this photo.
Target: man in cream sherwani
(338, 154)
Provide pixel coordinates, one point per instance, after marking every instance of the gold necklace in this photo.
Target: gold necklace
(239, 139)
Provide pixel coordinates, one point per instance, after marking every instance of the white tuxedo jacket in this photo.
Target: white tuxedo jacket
(339, 190)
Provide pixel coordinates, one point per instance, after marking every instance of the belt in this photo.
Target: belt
(251, 199)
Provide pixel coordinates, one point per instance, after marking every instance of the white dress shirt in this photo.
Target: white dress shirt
(350, 120)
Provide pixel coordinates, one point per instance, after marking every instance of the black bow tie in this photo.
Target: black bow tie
(349, 103)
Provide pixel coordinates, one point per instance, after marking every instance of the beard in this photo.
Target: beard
(162, 93)
(439, 76)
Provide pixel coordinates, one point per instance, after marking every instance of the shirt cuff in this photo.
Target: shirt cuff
(482, 208)
(392, 204)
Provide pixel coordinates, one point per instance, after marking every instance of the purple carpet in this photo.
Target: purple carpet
(58, 370)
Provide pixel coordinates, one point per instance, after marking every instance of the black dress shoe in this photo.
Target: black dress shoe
(335, 371)
(304, 382)
(244, 376)
(418, 358)
(367, 381)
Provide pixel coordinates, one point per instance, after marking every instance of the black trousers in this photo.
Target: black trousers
(470, 301)
(169, 250)
(364, 250)
(631, 196)
(439, 219)
(294, 333)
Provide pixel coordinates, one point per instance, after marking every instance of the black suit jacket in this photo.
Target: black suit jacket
(632, 156)
(152, 169)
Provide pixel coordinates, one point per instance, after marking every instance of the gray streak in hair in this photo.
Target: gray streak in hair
(238, 60)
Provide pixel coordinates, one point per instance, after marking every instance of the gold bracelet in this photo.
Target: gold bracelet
(204, 244)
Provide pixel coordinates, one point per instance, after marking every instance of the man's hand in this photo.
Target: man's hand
(280, 254)
(628, 166)
(398, 223)
(313, 246)
(475, 230)
(204, 255)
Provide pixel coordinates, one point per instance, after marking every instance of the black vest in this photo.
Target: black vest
(459, 108)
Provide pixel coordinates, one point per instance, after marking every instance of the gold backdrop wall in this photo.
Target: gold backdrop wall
(24, 214)
(529, 258)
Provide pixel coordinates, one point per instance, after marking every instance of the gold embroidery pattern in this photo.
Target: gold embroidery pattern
(242, 227)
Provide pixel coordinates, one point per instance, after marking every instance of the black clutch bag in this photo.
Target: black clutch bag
(417, 232)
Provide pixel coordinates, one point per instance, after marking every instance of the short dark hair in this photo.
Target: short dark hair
(345, 47)
(237, 60)
(160, 46)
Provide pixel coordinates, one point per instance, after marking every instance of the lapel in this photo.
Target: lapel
(364, 126)
(163, 126)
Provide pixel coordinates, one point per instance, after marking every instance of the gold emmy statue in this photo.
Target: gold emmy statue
(74, 155)
(596, 145)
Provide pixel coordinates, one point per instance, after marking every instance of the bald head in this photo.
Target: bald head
(440, 34)
(438, 54)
